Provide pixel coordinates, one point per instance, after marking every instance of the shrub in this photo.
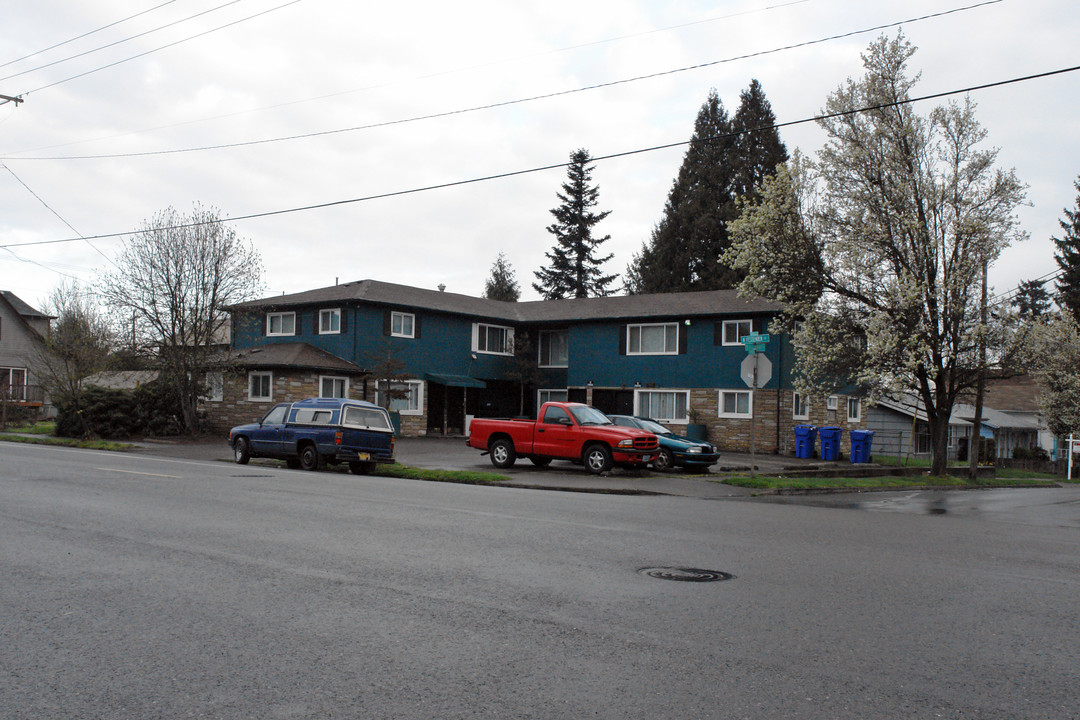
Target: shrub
(152, 409)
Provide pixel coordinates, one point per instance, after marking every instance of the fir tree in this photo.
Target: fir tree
(726, 159)
(502, 285)
(1068, 259)
(574, 269)
(1032, 300)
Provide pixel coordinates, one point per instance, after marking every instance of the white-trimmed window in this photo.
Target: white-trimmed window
(330, 321)
(402, 325)
(652, 339)
(260, 386)
(668, 406)
(832, 403)
(411, 401)
(331, 386)
(854, 409)
(493, 339)
(543, 396)
(12, 383)
(736, 404)
(735, 330)
(283, 323)
(800, 407)
(554, 348)
(215, 386)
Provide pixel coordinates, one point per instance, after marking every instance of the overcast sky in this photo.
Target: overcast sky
(281, 69)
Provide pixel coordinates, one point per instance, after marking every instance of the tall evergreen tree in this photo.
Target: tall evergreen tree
(727, 158)
(502, 285)
(1068, 259)
(758, 148)
(1032, 300)
(574, 269)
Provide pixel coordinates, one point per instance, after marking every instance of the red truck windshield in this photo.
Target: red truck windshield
(586, 415)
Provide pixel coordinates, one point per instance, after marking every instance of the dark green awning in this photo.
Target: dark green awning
(454, 380)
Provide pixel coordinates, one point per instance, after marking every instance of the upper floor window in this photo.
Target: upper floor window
(333, 387)
(658, 339)
(402, 324)
(280, 323)
(330, 321)
(736, 330)
(554, 348)
(800, 407)
(493, 339)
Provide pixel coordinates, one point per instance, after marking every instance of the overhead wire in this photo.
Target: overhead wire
(163, 47)
(519, 101)
(85, 34)
(121, 42)
(600, 158)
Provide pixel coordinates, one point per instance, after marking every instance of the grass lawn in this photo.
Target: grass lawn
(67, 442)
(767, 482)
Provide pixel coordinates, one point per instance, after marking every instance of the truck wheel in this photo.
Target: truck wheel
(502, 454)
(540, 462)
(240, 450)
(663, 460)
(597, 459)
(309, 457)
(361, 468)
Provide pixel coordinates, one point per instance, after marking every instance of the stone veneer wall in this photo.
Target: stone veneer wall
(733, 434)
(235, 409)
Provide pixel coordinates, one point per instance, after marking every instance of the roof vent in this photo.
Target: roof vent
(442, 287)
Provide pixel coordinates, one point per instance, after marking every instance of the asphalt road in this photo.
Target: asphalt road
(146, 587)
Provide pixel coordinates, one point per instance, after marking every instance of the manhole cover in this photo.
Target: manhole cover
(685, 574)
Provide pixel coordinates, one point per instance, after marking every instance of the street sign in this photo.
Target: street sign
(754, 342)
(756, 371)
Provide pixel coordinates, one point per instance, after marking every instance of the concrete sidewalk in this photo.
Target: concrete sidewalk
(438, 453)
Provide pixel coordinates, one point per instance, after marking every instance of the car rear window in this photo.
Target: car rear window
(313, 417)
(367, 418)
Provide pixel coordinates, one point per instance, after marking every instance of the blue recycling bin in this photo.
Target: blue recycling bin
(830, 442)
(805, 437)
(861, 443)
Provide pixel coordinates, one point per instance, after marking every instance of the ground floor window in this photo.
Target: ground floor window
(543, 396)
(668, 406)
(260, 386)
(13, 383)
(402, 396)
(215, 386)
(736, 404)
(333, 387)
(800, 407)
(854, 409)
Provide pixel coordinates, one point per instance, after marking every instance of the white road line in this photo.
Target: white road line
(136, 472)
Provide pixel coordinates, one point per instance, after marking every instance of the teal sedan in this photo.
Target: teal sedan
(675, 450)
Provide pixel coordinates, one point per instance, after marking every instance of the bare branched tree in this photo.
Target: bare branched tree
(173, 281)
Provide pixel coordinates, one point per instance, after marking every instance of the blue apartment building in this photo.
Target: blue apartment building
(675, 357)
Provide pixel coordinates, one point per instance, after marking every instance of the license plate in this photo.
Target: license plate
(363, 456)
(646, 458)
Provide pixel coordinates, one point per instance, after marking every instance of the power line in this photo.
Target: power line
(120, 42)
(515, 173)
(163, 47)
(40, 200)
(428, 76)
(519, 101)
(86, 34)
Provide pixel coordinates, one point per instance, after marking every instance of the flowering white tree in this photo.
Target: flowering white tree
(880, 244)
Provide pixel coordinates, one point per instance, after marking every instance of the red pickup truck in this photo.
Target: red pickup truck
(564, 431)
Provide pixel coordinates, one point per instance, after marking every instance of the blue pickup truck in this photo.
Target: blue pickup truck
(312, 433)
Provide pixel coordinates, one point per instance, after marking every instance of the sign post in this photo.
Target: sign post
(756, 372)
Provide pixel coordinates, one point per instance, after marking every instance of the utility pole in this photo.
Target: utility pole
(4, 99)
(975, 446)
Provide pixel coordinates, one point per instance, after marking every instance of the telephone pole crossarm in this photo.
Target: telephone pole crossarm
(7, 98)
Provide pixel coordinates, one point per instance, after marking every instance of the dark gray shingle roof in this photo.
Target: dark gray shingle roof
(288, 355)
(686, 304)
